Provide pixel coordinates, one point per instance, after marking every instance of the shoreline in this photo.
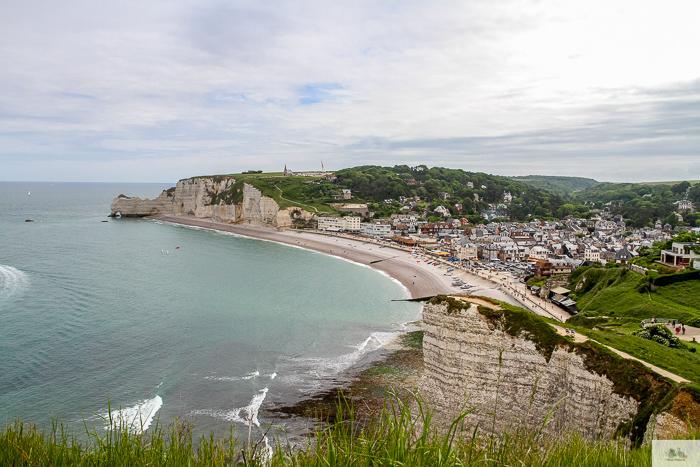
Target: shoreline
(419, 278)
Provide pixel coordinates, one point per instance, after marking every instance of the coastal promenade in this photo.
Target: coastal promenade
(421, 279)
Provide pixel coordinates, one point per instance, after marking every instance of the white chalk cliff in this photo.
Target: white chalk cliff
(470, 361)
(194, 197)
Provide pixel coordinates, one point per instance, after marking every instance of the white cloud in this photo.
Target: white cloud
(204, 87)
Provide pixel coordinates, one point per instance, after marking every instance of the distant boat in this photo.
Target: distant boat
(167, 252)
(29, 193)
(161, 250)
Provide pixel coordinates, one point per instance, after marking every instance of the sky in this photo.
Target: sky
(156, 91)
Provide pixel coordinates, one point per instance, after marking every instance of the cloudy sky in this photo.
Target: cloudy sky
(160, 90)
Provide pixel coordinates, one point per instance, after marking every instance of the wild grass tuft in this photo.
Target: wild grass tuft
(404, 435)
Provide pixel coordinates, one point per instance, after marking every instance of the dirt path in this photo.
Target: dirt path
(581, 338)
(295, 202)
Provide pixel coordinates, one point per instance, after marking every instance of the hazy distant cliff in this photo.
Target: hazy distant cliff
(195, 197)
(517, 366)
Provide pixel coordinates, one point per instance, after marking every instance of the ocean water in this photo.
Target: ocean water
(167, 321)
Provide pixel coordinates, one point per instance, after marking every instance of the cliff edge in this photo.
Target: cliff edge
(218, 198)
(507, 361)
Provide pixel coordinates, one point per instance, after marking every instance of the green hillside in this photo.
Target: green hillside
(614, 301)
(562, 186)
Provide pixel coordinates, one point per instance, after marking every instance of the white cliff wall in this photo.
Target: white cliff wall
(193, 197)
(462, 370)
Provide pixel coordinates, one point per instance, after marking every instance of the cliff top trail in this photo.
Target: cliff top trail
(581, 338)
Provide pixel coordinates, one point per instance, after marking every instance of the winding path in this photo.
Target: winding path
(581, 338)
(295, 202)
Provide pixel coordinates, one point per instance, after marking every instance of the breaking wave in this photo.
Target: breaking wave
(136, 419)
(12, 281)
(331, 366)
(246, 415)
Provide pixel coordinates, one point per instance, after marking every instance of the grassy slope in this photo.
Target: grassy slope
(623, 293)
(622, 296)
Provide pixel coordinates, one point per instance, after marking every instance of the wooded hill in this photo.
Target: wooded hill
(562, 186)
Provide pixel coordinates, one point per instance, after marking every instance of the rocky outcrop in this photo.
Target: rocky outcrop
(194, 197)
(471, 361)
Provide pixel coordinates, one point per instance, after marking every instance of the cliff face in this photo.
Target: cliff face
(470, 362)
(193, 197)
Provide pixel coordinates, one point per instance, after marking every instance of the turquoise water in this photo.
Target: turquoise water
(170, 321)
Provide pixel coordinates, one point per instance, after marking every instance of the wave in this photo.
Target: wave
(136, 419)
(330, 366)
(251, 375)
(12, 281)
(246, 415)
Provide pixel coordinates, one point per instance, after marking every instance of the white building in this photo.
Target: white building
(442, 210)
(339, 224)
(375, 230)
(591, 253)
(539, 252)
(466, 251)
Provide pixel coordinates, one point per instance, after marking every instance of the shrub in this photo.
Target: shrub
(660, 334)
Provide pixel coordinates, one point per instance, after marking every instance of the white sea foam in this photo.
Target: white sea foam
(323, 367)
(12, 281)
(251, 375)
(246, 415)
(136, 419)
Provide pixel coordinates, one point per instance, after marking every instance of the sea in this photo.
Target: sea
(109, 321)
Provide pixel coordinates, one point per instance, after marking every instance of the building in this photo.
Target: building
(591, 253)
(375, 230)
(680, 254)
(360, 209)
(466, 251)
(442, 210)
(287, 172)
(623, 256)
(685, 205)
(443, 195)
(339, 224)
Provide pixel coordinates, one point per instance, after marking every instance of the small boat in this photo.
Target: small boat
(177, 247)
(29, 193)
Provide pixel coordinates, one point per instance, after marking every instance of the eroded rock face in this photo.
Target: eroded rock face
(470, 362)
(193, 197)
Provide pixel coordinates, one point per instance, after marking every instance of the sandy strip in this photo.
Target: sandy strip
(417, 276)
